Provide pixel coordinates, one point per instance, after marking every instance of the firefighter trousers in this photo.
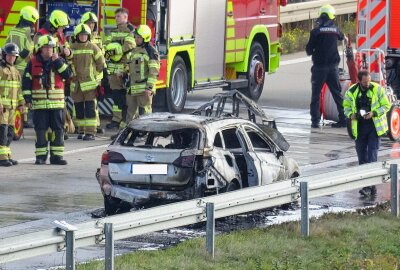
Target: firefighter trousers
(134, 102)
(85, 110)
(43, 120)
(367, 142)
(7, 119)
(119, 108)
(319, 76)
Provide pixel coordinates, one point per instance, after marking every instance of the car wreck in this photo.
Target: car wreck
(172, 157)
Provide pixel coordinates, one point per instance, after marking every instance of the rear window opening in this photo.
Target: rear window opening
(187, 138)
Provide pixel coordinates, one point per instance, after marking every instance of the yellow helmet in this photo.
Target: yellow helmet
(82, 29)
(328, 10)
(114, 51)
(59, 18)
(144, 32)
(45, 40)
(89, 17)
(29, 14)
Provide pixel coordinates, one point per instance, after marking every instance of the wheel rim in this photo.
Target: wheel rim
(395, 122)
(257, 73)
(18, 123)
(178, 86)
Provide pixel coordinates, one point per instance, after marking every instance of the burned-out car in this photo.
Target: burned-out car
(173, 157)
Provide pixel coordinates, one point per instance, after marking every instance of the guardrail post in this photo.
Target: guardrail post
(210, 233)
(305, 221)
(109, 251)
(70, 246)
(394, 200)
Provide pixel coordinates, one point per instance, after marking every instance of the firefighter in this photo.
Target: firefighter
(144, 66)
(322, 45)
(90, 19)
(10, 99)
(55, 26)
(43, 90)
(123, 35)
(87, 62)
(22, 35)
(366, 104)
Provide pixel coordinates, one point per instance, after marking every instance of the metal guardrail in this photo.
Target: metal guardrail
(309, 10)
(189, 212)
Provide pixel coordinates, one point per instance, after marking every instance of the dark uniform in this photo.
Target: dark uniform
(43, 87)
(325, 56)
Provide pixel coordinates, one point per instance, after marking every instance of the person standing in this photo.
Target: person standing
(366, 104)
(87, 62)
(144, 66)
(322, 45)
(10, 99)
(43, 90)
(123, 35)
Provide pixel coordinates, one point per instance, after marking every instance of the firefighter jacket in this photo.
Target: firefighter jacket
(87, 62)
(323, 43)
(22, 36)
(144, 66)
(123, 35)
(379, 107)
(95, 38)
(10, 87)
(43, 82)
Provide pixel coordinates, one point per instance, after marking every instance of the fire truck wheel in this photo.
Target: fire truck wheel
(176, 94)
(256, 72)
(18, 125)
(393, 117)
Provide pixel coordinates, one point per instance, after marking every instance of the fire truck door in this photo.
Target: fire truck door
(210, 40)
(181, 21)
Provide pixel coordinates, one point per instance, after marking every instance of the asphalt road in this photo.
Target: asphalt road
(32, 196)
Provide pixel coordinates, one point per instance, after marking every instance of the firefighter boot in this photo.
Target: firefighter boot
(13, 161)
(112, 125)
(5, 163)
(57, 160)
(88, 137)
(40, 160)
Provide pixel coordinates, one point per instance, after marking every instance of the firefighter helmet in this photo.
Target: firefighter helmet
(114, 51)
(10, 49)
(59, 18)
(82, 29)
(328, 10)
(144, 32)
(89, 17)
(45, 40)
(29, 14)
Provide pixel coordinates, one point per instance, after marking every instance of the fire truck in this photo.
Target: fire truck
(202, 44)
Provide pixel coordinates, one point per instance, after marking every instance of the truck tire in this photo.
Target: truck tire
(256, 72)
(178, 86)
(18, 125)
(393, 117)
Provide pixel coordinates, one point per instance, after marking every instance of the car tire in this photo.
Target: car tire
(114, 206)
(255, 72)
(178, 86)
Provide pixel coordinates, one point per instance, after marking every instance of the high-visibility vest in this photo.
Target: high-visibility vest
(52, 96)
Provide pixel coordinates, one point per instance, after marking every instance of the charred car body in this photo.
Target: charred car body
(176, 156)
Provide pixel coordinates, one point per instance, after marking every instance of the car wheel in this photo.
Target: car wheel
(177, 91)
(255, 72)
(114, 206)
(393, 117)
(18, 125)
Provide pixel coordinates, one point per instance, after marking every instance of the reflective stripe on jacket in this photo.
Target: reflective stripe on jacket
(10, 87)
(379, 107)
(88, 61)
(144, 66)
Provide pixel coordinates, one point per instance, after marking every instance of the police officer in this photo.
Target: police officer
(10, 99)
(144, 66)
(43, 90)
(123, 35)
(90, 19)
(366, 104)
(87, 62)
(322, 45)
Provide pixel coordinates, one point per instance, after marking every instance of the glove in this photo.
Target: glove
(69, 126)
(100, 93)
(109, 53)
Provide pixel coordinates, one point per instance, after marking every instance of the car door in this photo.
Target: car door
(271, 167)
